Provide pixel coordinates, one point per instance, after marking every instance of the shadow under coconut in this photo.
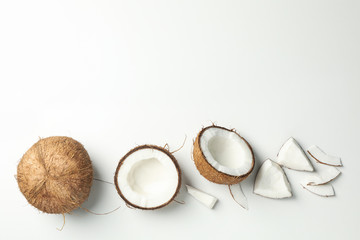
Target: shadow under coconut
(97, 192)
(292, 184)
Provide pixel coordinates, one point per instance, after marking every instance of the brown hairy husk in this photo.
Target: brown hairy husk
(55, 175)
(208, 171)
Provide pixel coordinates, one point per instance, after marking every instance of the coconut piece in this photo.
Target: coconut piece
(148, 177)
(292, 156)
(238, 195)
(206, 199)
(271, 181)
(55, 175)
(321, 157)
(326, 190)
(222, 155)
(324, 174)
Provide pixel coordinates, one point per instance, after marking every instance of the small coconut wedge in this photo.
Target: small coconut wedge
(326, 190)
(292, 156)
(238, 195)
(148, 177)
(321, 157)
(271, 181)
(206, 199)
(324, 174)
(222, 156)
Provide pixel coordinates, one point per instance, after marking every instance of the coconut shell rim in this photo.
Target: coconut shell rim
(173, 159)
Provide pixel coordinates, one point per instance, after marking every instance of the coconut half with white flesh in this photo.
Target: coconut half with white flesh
(148, 177)
(292, 156)
(222, 156)
(271, 181)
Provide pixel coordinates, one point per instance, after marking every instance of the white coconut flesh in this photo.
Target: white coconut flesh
(323, 174)
(321, 157)
(271, 181)
(326, 190)
(206, 199)
(292, 156)
(148, 178)
(226, 151)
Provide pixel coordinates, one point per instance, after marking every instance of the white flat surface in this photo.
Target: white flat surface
(113, 74)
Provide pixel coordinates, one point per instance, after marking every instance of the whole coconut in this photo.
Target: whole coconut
(55, 175)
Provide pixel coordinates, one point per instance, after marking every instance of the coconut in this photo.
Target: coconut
(321, 157)
(323, 175)
(148, 177)
(206, 199)
(55, 175)
(325, 190)
(271, 181)
(222, 156)
(292, 156)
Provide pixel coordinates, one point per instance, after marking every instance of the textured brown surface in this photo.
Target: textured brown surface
(55, 175)
(208, 171)
(140, 148)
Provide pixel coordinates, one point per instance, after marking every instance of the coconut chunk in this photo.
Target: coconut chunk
(292, 156)
(321, 157)
(206, 199)
(148, 177)
(326, 190)
(324, 174)
(238, 195)
(271, 181)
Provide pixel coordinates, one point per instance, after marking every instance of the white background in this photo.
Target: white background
(114, 74)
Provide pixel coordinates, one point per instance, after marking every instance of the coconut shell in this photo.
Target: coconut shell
(140, 148)
(208, 171)
(55, 175)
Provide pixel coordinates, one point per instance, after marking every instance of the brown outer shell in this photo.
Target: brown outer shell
(208, 171)
(122, 160)
(55, 175)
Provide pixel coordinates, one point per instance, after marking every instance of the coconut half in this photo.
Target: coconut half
(55, 175)
(292, 156)
(206, 199)
(321, 157)
(148, 177)
(271, 181)
(222, 155)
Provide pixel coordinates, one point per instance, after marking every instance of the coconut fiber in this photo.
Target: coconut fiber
(55, 175)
